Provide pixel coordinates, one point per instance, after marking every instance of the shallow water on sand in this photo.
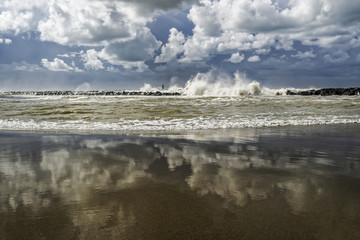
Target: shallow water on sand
(256, 183)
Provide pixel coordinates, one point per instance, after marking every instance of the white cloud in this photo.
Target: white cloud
(205, 20)
(230, 26)
(251, 16)
(254, 58)
(57, 65)
(302, 55)
(81, 22)
(91, 60)
(336, 57)
(15, 22)
(174, 47)
(117, 26)
(284, 43)
(236, 58)
(17, 16)
(84, 22)
(220, 27)
(262, 51)
(65, 55)
(5, 41)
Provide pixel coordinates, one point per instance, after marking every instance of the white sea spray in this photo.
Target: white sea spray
(221, 84)
(215, 83)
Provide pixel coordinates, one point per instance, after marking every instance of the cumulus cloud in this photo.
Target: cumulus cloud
(174, 47)
(86, 22)
(5, 41)
(205, 20)
(236, 58)
(254, 58)
(230, 26)
(57, 65)
(81, 22)
(17, 16)
(16, 22)
(302, 55)
(91, 60)
(262, 51)
(119, 27)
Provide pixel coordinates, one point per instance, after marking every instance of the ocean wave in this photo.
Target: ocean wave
(218, 84)
(164, 125)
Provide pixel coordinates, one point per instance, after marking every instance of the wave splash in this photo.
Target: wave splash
(221, 84)
(214, 83)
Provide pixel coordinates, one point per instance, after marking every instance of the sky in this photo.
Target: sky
(123, 44)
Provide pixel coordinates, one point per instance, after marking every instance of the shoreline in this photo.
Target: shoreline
(205, 132)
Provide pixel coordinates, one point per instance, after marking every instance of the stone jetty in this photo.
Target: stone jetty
(310, 92)
(92, 93)
(326, 92)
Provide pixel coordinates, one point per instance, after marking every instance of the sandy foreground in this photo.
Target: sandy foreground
(256, 183)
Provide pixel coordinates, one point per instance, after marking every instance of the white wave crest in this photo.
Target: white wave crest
(220, 84)
(216, 83)
(199, 123)
(148, 88)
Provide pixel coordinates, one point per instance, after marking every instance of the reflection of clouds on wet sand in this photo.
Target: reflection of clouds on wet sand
(96, 165)
(105, 183)
(231, 185)
(69, 166)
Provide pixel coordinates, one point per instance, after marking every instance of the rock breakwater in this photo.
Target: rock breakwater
(326, 92)
(321, 92)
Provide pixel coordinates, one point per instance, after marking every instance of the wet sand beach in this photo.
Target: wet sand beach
(253, 183)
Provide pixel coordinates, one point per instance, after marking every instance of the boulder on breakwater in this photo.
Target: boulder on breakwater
(326, 92)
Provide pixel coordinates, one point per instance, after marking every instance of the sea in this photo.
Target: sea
(85, 112)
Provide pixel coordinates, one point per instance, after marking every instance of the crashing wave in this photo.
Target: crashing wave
(214, 83)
